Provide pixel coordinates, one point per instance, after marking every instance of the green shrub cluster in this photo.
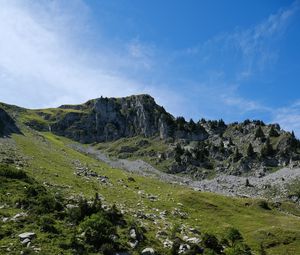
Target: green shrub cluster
(10, 172)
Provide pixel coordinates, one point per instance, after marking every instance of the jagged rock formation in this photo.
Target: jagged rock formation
(107, 119)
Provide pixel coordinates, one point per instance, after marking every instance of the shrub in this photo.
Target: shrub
(47, 224)
(46, 203)
(98, 230)
(114, 215)
(28, 251)
(239, 249)
(12, 173)
(209, 252)
(108, 249)
(211, 242)
(264, 205)
(233, 235)
(40, 201)
(83, 210)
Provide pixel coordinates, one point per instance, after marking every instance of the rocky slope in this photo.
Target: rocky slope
(200, 149)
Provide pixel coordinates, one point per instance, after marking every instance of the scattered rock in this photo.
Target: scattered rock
(168, 244)
(183, 248)
(132, 234)
(148, 251)
(27, 235)
(133, 244)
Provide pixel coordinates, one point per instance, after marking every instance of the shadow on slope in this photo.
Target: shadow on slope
(7, 125)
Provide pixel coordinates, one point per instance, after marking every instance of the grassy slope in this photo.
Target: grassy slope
(51, 161)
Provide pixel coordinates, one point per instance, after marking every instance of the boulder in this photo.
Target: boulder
(27, 235)
(26, 241)
(183, 248)
(148, 251)
(132, 234)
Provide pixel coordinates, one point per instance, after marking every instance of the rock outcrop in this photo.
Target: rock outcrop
(7, 124)
(107, 119)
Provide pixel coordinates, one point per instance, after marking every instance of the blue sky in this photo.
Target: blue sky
(213, 59)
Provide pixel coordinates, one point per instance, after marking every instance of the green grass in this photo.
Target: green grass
(50, 160)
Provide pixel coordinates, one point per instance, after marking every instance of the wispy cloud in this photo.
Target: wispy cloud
(236, 57)
(48, 57)
(40, 58)
(288, 117)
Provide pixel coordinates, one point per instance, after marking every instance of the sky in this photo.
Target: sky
(199, 59)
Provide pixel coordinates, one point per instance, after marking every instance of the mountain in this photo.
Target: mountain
(200, 149)
(123, 176)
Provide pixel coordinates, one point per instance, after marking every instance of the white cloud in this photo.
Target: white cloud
(288, 117)
(41, 66)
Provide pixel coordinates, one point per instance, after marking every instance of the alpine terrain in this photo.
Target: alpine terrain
(124, 176)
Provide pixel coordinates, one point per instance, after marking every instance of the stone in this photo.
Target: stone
(133, 244)
(193, 240)
(168, 244)
(19, 215)
(148, 251)
(25, 241)
(132, 234)
(25, 235)
(183, 248)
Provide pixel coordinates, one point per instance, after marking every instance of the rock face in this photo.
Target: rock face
(107, 119)
(7, 124)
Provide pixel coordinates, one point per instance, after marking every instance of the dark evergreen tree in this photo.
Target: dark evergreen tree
(237, 155)
(250, 151)
(267, 149)
(273, 132)
(259, 133)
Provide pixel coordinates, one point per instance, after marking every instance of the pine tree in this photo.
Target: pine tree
(250, 151)
(273, 132)
(267, 149)
(236, 155)
(259, 133)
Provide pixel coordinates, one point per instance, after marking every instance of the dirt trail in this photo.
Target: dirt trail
(223, 184)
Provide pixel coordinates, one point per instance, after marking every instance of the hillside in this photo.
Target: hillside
(136, 127)
(41, 162)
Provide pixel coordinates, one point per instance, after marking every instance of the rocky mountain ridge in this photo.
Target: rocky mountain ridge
(200, 149)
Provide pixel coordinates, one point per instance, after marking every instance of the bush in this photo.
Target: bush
(84, 209)
(209, 252)
(12, 173)
(40, 201)
(239, 249)
(211, 242)
(98, 230)
(47, 224)
(108, 249)
(264, 205)
(233, 235)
